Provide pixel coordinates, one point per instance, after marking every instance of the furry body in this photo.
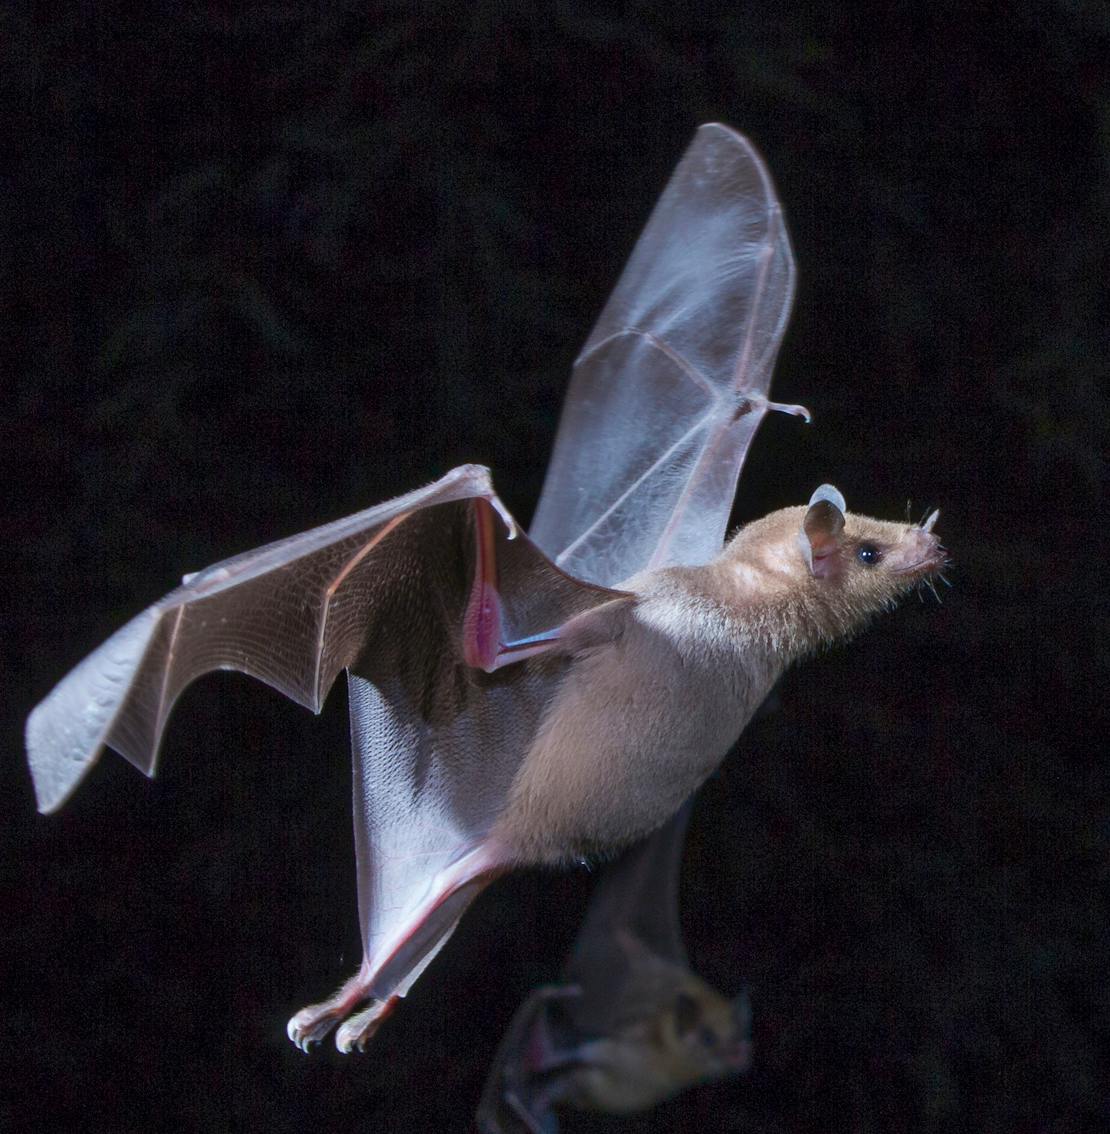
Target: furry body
(659, 689)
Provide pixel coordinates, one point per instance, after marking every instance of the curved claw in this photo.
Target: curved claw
(494, 502)
(356, 1032)
(310, 1025)
(797, 411)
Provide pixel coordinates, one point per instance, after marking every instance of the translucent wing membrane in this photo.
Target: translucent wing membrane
(398, 595)
(292, 614)
(636, 897)
(672, 383)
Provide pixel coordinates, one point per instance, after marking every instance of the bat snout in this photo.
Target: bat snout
(920, 552)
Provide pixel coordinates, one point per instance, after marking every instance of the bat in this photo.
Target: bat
(630, 1024)
(521, 699)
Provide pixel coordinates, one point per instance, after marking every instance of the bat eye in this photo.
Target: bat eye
(708, 1037)
(868, 554)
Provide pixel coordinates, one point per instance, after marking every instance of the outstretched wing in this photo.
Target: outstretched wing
(672, 383)
(637, 896)
(632, 923)
(293, 614)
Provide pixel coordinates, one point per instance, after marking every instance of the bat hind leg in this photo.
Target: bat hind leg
(397, 963)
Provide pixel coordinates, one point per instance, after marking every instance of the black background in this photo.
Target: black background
(261, 270)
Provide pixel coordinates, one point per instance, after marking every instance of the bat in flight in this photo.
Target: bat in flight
(630, 1024)
(523, 699)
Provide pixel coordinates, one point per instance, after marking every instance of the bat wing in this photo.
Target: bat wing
(611, 975)
(518, 1091)
(636, 895)
(293, 614)
(631, 924)
(672, 383)
(436, 742)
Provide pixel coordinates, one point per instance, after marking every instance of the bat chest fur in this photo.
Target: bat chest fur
(637, 724)
(626, 1073)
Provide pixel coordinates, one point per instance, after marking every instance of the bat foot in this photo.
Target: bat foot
(358, 1030)
(382, 980)
(310, 1025)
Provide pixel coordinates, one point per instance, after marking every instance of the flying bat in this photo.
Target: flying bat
(630, 1024)
(523, 699)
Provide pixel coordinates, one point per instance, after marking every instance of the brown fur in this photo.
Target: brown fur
(790, 611)
(659, 690)
(660, 1045)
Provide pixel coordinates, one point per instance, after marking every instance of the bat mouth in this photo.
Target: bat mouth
(928, 565)
(922, 548)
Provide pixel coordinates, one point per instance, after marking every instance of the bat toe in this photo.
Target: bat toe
(356, 1032)
(310, 1025)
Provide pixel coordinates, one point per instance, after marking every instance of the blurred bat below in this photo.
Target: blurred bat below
(630, 1025)
(508, 705)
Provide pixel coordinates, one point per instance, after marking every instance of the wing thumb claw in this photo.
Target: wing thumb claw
(796, 411)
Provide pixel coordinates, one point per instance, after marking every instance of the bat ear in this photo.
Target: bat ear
(687, 1014)
(819, 539)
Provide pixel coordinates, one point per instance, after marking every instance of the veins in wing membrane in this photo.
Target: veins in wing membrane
(660, 345)
(658, 464)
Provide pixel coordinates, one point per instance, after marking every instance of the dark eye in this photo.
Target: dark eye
(868, 554)
(708, 1037)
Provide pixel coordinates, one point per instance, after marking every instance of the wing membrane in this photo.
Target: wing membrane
(672, 383)
(292, 614)
(637, 896)
(436, 742)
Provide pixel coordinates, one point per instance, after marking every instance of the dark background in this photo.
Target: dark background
(262, 270)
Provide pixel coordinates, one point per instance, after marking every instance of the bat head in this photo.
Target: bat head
(820, 573)
(711, 1035)
(858, 551)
